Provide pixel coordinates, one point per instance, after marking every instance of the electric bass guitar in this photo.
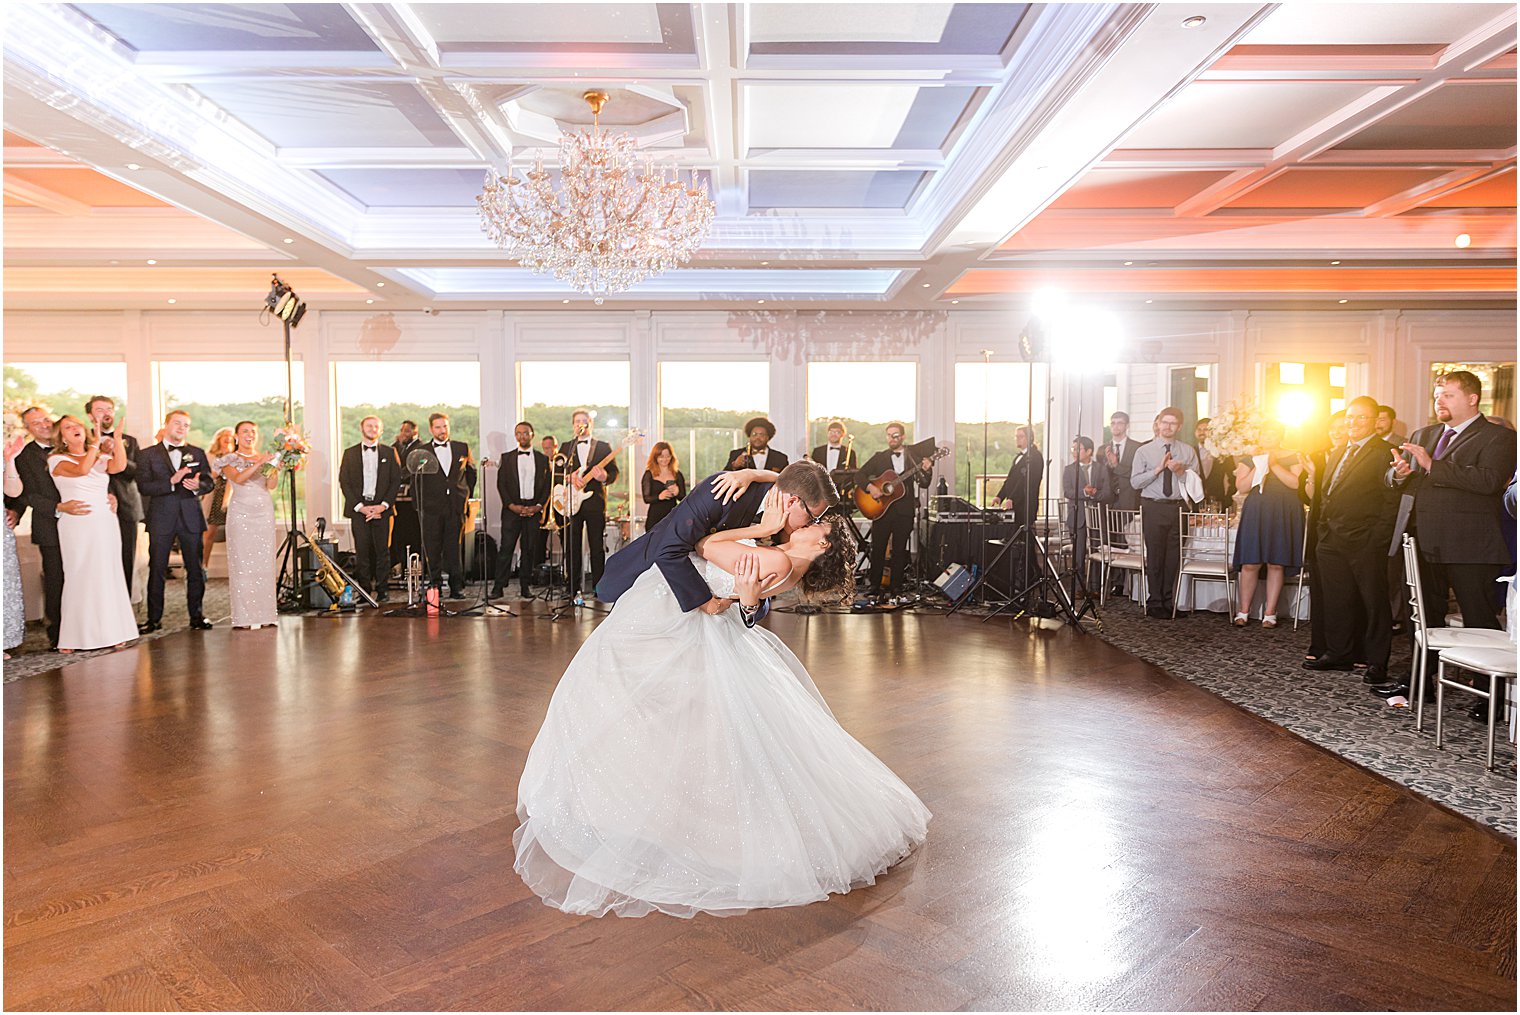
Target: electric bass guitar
(892, 487)
(567, 500)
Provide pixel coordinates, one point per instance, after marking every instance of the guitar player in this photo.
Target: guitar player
(896, 524)
(583, 454)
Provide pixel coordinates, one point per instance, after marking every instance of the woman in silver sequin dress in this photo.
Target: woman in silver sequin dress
(15, 602)
(250, 529)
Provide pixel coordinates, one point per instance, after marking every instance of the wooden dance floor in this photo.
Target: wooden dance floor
(322, 818)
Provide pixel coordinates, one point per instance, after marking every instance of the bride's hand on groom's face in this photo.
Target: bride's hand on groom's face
(774, 509)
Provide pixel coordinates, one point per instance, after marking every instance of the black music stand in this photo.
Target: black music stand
(421, 462)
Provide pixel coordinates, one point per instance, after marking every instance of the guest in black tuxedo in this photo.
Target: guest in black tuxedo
(758, 453)
(370, 476)
(101, 410)
(39, 493)
(1218, 473)
(663, 485)
(522, 480)
(1020, 493)
(1085, 481)
(892, 529)
(1311, 492)
(1119, 456)
(838, 454)
(406, 531)
(1456, 472)
(1356, 522)
(443, 498)
(589, 524)
(175, 475)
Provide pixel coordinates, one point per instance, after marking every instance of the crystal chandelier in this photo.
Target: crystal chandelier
(610, 225)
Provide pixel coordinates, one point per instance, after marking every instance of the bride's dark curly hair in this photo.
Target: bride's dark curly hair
(831, 577)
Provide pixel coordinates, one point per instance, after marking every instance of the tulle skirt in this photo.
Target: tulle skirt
(689, 765)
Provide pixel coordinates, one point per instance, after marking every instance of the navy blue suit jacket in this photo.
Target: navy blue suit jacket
(173, 508)
(670, 543)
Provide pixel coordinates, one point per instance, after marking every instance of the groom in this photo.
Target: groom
(806, 493)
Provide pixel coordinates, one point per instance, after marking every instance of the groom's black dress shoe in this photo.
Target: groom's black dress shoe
(1376, 675)
(200, 624)
(149, 627)
(1391, 691)
(1325, 663)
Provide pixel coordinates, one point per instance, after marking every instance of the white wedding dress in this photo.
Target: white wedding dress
(688, 765)
(97, 609)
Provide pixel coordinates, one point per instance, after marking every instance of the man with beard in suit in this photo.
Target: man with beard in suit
(522, 480)
(758, 453)
(442, 498)
(175, 475)
(836, 455)
(101, 410)
(1119, 455)
(1218, 473)
(369, 476)
(1356, 522)
(1456, 472)
(589, 524)
(891, 531)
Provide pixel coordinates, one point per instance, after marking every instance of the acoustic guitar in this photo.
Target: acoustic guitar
(892, 487)
(567, 500)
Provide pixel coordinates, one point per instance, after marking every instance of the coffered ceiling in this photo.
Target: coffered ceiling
(906, 155)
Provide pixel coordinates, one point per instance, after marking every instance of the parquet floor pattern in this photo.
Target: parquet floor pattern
(321, 818)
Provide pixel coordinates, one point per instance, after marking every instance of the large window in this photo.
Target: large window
(1189, 390)
(61, 388)
(866, 396)
(221, 394)
(994, 399)
(703, 409)
(1302, 396)
(397, 391)
(550, 392)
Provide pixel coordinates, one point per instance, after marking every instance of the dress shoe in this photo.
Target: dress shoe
(1391, 691)
(149, 627)
(1376, 675)
(1159, 613)
(527, 593)
(497, 591)
(200, 624)
(1324, 663)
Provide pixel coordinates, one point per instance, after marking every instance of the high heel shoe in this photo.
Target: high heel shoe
(1240, 620)
(1269, 622)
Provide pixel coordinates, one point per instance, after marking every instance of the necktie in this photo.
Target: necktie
(1443, 442)
(1340, 468)
(1166, 478)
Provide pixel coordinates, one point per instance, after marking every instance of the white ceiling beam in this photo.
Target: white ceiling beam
(719, 58)
(42, 197)
(1449, 183)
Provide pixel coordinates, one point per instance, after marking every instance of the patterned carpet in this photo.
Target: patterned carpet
(1259, 670)
(1254, 668)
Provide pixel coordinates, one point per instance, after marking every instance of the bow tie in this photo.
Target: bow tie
(440, 444)
(370, 447)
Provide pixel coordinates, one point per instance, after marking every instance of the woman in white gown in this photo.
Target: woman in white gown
(97, 609)
(689, 765)
(250, 530)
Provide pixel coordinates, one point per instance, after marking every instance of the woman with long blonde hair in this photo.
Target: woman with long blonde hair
(215, 504)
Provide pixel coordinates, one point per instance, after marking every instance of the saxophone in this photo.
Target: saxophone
(328, 576)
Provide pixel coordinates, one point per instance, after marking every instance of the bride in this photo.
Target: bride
(688, 764)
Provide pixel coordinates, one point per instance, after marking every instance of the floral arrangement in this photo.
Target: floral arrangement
(290, 449)
(1236, 430)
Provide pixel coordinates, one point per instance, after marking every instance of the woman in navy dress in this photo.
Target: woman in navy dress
(1271, 531)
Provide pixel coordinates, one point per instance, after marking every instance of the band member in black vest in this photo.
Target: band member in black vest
(406, 531)
(582, 457)
(442, 499)
(369, 476)
(896, 523)
(837, 455)
(101, 410)
(758, 453)
(175, 475)
(522, 480)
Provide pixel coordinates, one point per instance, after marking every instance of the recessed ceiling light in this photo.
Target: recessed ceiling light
(564, 301)
(1128, 263)
(288, 239)
(1335, 262)
(1150, 301)
(369, 301)
(1463, 240)
(114, 261)
(379, 285)
(172, 300)
(133, 166)
(764, 263)
(955, 301)
(152, 261)
(1343, 301)
(924, 284)
(759, 301)
(1196, 21)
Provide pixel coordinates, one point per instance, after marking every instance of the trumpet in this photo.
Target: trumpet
(413, 577)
